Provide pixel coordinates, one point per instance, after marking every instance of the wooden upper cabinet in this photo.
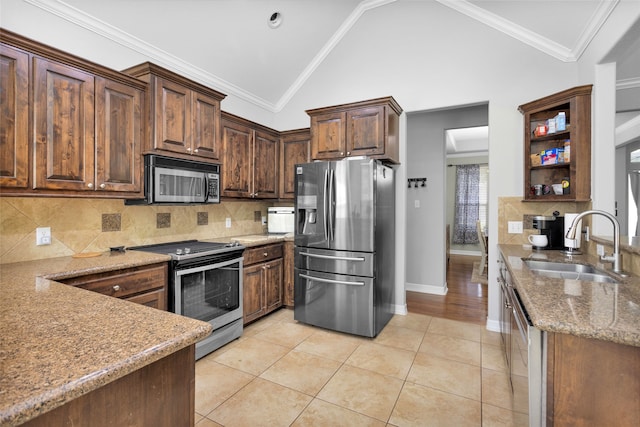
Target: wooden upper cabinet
(329, 136)
(295, 148)
(250, 161)
(184, 116)
(63, 118)
(367, 128)
(85, 130)
(237, 143)
(14, 117)
(119, 136)
(557, 154)
(266, 165)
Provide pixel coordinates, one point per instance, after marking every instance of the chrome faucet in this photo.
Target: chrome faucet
(616, 257)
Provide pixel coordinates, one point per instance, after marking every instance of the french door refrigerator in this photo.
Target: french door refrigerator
(345, 245)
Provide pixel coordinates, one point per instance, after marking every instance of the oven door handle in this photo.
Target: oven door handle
(332, 281)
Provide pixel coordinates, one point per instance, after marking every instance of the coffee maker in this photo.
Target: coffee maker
(553, 228)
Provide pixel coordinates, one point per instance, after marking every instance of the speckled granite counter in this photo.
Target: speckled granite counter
(258, 239)
(604, 311)
(58, 342)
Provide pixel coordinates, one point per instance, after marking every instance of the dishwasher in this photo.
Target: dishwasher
(521, 340)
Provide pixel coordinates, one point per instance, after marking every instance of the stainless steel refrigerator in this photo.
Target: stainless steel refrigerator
(345, 245)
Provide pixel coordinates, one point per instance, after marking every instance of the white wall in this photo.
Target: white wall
(424, 54)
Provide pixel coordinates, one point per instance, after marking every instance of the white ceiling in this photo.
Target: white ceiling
(228, 44)
(467, 141)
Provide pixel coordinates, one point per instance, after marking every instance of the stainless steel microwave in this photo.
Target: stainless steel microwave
(175, 181)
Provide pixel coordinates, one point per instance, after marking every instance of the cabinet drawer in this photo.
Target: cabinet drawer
(123, 283)
(156, 299)
(262, 253)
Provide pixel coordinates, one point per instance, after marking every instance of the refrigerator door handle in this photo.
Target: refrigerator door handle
(325, 223)
(336, 258)
(331, 281)
(331, 203)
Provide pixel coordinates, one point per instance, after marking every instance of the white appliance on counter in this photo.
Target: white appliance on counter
(280, 219)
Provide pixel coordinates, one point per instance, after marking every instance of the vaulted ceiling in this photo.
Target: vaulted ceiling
(229, 45)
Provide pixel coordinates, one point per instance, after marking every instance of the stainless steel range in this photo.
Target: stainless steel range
(205, 284)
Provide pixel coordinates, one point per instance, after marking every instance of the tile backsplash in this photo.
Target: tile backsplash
(514, 209)
(88, 225)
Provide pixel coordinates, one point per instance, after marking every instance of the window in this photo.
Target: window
(471, 202)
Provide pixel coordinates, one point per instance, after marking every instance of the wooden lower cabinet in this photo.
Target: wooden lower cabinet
(592, 382)
(262, 281)
(159, 394)
(289, 275)
(146, 285)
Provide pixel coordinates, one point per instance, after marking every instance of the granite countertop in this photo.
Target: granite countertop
(250, 240)
(58, 342)
(604, 311)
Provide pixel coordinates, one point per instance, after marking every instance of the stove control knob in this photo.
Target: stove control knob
(178, 251)
(187, 250)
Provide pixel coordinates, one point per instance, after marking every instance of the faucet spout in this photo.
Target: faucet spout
(616, 258)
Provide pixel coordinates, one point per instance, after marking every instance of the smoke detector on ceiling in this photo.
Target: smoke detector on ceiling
(275, 20)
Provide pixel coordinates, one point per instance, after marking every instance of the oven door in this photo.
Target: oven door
(211, 293)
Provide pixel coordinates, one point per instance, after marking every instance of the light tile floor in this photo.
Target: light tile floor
(419, 371)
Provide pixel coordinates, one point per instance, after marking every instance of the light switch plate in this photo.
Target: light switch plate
(227, 223)
(515, 227)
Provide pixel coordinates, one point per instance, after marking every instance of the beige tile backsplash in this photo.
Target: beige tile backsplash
(514, 209)
(81, 225)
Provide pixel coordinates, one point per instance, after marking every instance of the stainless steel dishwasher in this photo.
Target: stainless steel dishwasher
(529, 344)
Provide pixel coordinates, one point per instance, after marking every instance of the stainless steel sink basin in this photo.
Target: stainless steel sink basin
(561, 270)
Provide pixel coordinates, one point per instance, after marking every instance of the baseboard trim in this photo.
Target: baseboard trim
(493, 325)
(426, 289)
(400, 309)
(463, 252)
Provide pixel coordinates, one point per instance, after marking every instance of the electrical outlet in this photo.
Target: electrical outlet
(600, 250)
(515, 227)
(43, 236)
(416, 204)
(264, 220)
(227, 223)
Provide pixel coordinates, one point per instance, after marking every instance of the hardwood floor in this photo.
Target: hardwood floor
(465, 301)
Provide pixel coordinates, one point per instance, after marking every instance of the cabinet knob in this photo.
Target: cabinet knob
(103, 185)
(195, 151)
(116, 288)
(90, 185)
(266, 254)
(348, 153)
(342, 153)
(189, 149)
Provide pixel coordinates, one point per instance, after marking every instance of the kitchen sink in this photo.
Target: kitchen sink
(562, 270)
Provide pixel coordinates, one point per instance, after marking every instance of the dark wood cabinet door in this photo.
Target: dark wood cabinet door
(365, 131)
(64, 120)
(295, 148)
(237, 160)
(172, 117)
(288, 274)
(118, 136)
(14, 117)
(206, 126)
(328, 136)
(273, 284)
(253, 301)
(266, 164)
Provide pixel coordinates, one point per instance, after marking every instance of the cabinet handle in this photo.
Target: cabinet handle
(103, 185)
(116, 288)
(90, 185)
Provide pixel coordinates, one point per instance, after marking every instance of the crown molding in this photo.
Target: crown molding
(165, 59)
(328, 47)
(532, 38)
(631, 83)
